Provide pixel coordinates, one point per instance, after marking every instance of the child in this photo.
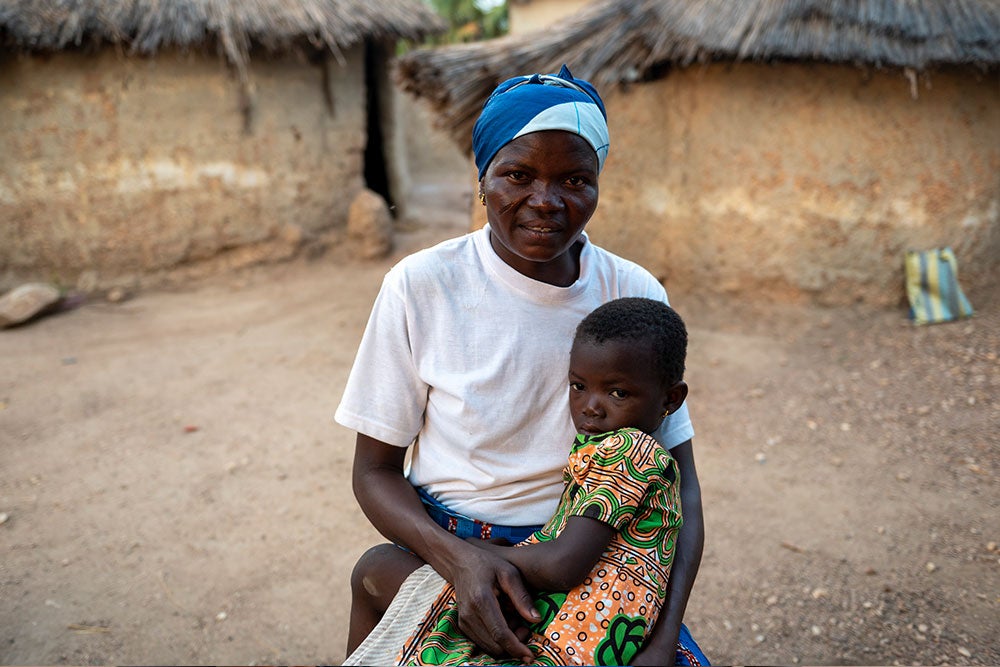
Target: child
(604, 558)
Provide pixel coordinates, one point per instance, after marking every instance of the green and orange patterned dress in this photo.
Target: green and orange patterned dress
(629, 481)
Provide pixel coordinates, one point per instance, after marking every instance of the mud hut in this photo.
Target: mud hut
(787, 149)
(137, 137)
(527, 15)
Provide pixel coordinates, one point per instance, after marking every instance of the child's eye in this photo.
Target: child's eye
(619, 393)
(576, 386)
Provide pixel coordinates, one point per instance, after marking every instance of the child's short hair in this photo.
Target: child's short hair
(639, 319)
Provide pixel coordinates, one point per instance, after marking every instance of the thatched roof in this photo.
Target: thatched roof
(614, 41)
(146, 26)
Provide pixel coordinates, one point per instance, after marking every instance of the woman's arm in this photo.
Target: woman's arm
(562, 563)
(394, 508)
(661, 646)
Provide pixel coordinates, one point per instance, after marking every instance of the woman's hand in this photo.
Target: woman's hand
(481, 579)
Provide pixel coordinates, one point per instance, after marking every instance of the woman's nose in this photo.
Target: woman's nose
(545, 196)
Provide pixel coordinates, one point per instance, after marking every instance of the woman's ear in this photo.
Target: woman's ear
(673, 397)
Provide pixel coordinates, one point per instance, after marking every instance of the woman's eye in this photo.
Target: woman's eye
(576, 181)
(517, 175)
(619, 393)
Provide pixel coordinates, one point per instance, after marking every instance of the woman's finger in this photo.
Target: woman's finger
(481, 620)
(513, 586)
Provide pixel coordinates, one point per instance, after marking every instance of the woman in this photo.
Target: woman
(464, 362)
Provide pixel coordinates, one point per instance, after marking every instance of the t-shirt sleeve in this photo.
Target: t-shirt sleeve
(616, 476)
(385, 397)
(676, 428)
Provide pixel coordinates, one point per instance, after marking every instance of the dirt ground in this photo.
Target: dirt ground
(173, 489)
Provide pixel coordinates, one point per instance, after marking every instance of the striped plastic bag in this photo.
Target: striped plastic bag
(932, 287)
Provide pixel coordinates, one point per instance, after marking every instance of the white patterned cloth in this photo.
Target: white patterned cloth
(407, 610)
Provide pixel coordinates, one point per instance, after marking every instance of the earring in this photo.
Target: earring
(666, 413)
(482, 198)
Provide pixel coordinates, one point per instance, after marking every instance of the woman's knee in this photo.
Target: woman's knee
(380, 572)
(369, 565)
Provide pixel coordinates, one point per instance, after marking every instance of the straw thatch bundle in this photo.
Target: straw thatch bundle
(145, 26)
(614, 41)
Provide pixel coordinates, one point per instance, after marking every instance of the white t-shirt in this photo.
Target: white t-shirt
(467, 360)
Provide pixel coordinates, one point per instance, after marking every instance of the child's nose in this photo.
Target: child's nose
(592, 407)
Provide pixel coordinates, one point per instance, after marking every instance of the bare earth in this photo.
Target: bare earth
(173, 489)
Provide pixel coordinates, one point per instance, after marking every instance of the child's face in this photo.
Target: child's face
(613, 385)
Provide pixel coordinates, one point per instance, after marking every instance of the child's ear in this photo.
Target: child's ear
(673, 397)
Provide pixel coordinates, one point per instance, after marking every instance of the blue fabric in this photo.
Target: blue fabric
(932, 287)
(538, 102)
(462, 526)
(688, 651)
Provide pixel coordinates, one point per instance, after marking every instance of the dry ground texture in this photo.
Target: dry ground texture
(174, 491)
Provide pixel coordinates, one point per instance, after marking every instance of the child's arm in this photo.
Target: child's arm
(562, 563)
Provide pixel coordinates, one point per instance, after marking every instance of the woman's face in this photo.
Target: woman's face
(541, 190)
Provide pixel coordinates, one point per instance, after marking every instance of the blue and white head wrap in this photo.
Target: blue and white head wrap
(539, 102)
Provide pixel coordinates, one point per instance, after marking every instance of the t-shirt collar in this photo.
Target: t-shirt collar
(513, 278)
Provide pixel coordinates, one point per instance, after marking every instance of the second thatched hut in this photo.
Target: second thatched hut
(788, 149)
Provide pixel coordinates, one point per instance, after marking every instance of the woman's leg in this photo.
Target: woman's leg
(375, 580)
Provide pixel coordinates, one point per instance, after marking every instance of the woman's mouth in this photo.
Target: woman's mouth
(540, 229)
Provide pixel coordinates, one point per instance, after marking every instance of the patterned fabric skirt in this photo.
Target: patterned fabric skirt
(412, 606)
